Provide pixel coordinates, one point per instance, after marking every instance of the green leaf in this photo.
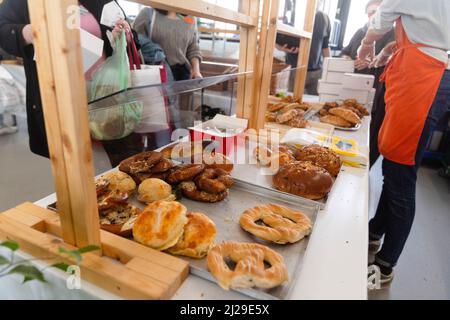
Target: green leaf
(3, 261)
(29, 273)
(11, 245)
(88, 249)
(61, 266)
(75, 254)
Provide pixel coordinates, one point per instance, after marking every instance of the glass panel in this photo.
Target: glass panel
(147, 118)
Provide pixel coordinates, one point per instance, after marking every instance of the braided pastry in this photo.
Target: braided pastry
(250, 270)
(282, 225)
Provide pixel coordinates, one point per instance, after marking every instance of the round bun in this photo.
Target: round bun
(119, 181)
(304, 179)
(322, 157)
(161, 225)
(250, 271)
(199, 235)
(152, 190)
(281, 225)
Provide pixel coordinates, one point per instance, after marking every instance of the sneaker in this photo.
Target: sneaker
(374, 246)
(8, 130)
(376, 280)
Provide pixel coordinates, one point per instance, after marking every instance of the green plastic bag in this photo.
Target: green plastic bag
(119, 121)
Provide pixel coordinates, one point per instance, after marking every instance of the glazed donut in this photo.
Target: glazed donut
(190, 191)
(282, 225)
(142, 162)
(184, 173)
(250, 270)
(214, 181)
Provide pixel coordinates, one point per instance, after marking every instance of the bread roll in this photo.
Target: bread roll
(303, 179)
(152, 190)
(161, 225)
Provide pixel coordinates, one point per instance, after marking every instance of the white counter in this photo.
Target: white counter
(335, 264)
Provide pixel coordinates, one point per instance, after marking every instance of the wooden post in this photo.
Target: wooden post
(264, 63)
(305, 47)
(64, 99)
(247, 60)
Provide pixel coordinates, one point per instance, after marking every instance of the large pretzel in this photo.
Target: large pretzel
(281, 225)
(250, 270)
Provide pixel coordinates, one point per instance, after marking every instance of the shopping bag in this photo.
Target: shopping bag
(119, 121)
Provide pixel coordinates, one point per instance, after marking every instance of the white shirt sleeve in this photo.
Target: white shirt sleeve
(387, 14)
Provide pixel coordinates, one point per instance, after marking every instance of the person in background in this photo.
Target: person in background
(417, 95)
(16, 37)
(319, 50)
(351, 50)
(178, 37)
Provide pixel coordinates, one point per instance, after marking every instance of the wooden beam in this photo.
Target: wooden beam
(202, 9)
(305, 47)
(293, 32)
(65, 93)
(247, 61)
(51, 115)
(262, 89)
(215, 30)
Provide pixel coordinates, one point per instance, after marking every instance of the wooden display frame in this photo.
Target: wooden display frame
(121, 266)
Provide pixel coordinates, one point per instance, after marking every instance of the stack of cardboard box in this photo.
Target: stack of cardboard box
(339, 82)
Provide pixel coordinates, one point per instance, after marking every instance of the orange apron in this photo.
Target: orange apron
(412, 82)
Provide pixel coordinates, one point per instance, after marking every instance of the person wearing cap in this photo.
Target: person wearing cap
(417, 94)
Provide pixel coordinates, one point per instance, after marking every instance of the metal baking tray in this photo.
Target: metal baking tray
(251, 172)
(226, 215)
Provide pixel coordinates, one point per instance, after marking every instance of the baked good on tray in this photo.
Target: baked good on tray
(347, 115)
(217, 161)
(192, 192)
(119, 219)
(250, 270)
(184, 173)
(161, 225)
(322, 157)
(147, 165)
(303, 178)
(152, 190)
(118, 181)
(198, 237)
(335, 121)
(279, 224)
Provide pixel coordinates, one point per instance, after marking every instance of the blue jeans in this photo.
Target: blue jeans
(396, 209)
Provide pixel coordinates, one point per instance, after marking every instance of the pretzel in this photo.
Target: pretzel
(184, 173)
(190, 191)
(281, 225)
(214, 181)
(162, 166)
(250, 270)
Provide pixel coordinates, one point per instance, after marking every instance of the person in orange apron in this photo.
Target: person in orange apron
(417, 95)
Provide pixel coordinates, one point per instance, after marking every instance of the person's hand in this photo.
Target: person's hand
(196, 75)
(361, 64)
(122, 25)
(292, 50)
(383, 57)
(366, 51)
(27, 34)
